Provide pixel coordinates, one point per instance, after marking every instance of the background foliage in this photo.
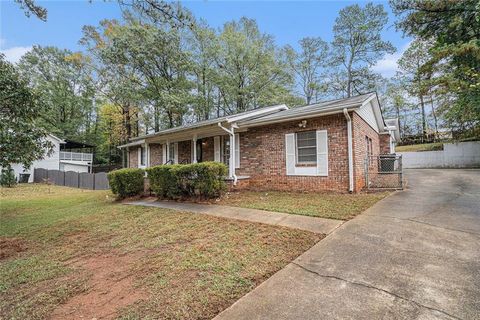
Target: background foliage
(161, 67)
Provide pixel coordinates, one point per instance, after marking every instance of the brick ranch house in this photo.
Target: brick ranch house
(317, 147)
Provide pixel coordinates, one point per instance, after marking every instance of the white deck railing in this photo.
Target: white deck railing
(76, 156)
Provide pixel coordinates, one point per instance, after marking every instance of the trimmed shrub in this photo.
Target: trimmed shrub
(7, 178)
(126, 182)
(163, 181)
(197, 180)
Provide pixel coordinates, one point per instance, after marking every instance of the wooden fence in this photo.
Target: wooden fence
(83, 180)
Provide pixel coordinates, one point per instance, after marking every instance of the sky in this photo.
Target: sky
(287, 21)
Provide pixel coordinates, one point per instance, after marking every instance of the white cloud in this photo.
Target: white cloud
(388, 65)
(15, 53)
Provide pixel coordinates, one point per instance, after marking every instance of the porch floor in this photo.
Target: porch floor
(312, 224)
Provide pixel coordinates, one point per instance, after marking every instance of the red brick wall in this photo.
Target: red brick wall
(361, 129)
(385, 143)
(208, 151)
(156, 154)
(262, 153)
(133, 157)
(184, 152)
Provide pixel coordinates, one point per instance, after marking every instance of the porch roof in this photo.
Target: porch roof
(205, 127)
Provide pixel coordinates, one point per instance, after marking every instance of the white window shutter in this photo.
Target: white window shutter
(216, 148)
(290, 153)
(237, 150)
(139, 157)
(175, 154)
(322, 153)
(164, 153)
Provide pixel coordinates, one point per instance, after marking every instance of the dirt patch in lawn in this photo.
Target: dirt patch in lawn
(110, 288)
(91, 257)
(11, 246)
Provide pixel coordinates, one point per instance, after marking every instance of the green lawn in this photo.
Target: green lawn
(420, 147)
(70, 253)
(324, 205)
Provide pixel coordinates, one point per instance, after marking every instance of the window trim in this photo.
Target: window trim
(171, 152)
(223, 150)
(143, 155)
(306, 163)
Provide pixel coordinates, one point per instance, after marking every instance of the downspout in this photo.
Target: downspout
(350, 149)
(231, 132)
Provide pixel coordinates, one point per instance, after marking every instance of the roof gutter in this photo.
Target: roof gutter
(350, 150)
(131, 144)
(231, 168)
(248, 124)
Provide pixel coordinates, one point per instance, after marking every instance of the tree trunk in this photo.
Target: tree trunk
(156, 118)
(424, 122)
(434, 114)
(397, 112)
(128, 124)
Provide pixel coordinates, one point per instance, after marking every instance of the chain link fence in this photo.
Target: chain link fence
(384, 172)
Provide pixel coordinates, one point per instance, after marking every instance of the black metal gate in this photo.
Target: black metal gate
(384, 172)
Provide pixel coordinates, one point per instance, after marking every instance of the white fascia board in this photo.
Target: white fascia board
(257, 113)
(376, 110)
(298, 117)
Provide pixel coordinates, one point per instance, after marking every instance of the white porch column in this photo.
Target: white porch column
(194, 142)
(147, 155)
(231, 167)
(168, 151)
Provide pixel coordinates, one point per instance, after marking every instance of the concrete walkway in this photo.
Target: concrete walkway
(317, 225)
(413, 255)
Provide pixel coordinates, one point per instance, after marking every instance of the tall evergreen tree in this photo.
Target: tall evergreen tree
(308, 65)
(357, 46)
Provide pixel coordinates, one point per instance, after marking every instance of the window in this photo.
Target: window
(199, 150)
(142, 156)
(369, 146)
(306, 144)
(171, 152)
(226, 149)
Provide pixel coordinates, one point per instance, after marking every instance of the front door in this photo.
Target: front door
(199, 150)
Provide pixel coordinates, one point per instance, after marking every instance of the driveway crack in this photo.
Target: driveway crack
(430, 224)
(376, 288)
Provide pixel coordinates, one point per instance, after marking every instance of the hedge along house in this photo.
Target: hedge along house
(317, 147)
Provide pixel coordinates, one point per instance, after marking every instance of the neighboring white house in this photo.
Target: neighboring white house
(58, 160)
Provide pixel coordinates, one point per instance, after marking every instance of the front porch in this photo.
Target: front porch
(215, 143)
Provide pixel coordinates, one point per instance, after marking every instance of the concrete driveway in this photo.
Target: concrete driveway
(414, 255)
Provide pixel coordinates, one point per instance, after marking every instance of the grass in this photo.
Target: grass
(66, 248)
(420, 147)
(323, 205)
